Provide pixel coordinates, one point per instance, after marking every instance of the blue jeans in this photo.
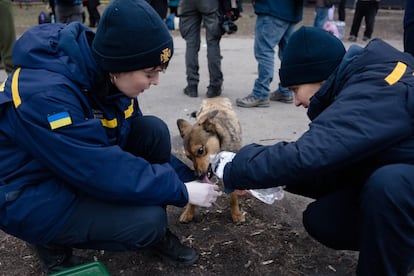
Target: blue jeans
(321, 17)
(269, 32)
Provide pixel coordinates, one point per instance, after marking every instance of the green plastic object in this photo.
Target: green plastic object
(88, 269)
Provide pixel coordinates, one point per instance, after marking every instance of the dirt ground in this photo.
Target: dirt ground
(272, 241)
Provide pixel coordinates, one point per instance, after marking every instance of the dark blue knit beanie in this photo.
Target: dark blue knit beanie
(131, 36)
(311, 55)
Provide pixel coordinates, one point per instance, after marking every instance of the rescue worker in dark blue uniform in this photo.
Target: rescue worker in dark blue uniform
(82, 167)
(357, 158)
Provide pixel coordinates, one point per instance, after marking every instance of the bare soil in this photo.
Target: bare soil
(272, 241)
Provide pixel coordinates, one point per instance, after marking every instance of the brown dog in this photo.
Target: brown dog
(216, 129)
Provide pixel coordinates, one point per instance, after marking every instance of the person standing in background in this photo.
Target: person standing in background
(193, 15)
(7, 34)
(367, 9)
(275, 22)
(52, 14)
(94, 15)
(173, 6)
(341, 10)
(321, 13)
(68, 11)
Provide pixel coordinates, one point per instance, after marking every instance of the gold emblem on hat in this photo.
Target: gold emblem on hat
(165, 55)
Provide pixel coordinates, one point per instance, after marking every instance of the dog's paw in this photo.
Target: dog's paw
(186, 217)
(238, 216)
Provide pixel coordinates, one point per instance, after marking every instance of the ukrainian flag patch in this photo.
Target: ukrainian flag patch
(60, 119)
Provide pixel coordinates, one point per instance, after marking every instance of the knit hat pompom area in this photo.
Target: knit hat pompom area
(310, 56)
(131, 36)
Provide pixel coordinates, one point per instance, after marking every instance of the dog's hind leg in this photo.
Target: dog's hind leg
(236, 214)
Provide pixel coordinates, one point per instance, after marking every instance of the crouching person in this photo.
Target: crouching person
(82, 167)
(357, 158)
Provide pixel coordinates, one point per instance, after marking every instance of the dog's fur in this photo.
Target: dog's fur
(216, 129)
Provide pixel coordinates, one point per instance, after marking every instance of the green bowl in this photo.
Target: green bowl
(88, 269)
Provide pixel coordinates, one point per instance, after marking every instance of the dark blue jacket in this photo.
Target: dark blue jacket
(362, 119)
(58, 142)
(287, 10)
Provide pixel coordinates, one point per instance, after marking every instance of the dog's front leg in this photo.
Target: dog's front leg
(236, 214)
(188, 213)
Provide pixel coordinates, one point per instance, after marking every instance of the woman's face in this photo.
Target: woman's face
(134, 83)
(303, 92)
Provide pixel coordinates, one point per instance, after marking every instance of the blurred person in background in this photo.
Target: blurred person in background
(94, 15)
(275, 22)
(7, 35)
(364, 9)
(67, 11)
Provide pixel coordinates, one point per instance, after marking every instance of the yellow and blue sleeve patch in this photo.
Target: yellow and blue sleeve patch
(58, 120)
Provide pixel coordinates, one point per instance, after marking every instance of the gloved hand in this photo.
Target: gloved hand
(219, 161)
(202, 194)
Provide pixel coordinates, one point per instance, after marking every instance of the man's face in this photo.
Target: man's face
(303, 92)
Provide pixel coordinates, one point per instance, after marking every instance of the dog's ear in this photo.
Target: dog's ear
(213, 123)
(208, 122)
(184, 127)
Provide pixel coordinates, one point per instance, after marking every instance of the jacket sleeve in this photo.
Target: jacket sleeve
(80, 154)
(366, 118)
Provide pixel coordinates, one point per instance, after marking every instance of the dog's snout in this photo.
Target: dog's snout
(199, 175)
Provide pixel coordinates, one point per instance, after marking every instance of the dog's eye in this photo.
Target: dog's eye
(200, 151)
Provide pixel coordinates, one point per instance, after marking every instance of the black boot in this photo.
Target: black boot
(172, 251)
(213, 91)
(191, 90)
(54, 258)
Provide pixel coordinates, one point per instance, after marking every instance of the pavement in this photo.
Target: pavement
(265, 125)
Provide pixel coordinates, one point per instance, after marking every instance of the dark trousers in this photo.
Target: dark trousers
(341, 10)
(375, 218)
(194, 15)
(367, 9)
(101, 225)
(94, 15)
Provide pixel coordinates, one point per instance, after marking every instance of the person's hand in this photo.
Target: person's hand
(202, 194)
(219, 161)
(241, 192)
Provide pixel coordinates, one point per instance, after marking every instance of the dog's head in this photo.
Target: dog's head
(200, 140)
